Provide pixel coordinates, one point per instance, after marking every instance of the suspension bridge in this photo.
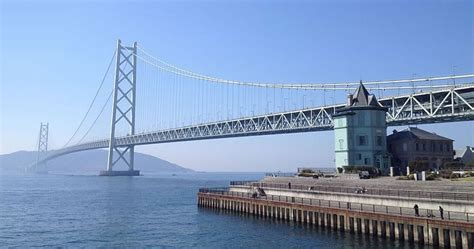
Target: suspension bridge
(153, 101)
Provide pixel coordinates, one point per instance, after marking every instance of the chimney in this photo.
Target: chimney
(350, 99)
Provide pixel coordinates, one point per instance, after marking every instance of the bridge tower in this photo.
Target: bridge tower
(123, 110)
(42, 148)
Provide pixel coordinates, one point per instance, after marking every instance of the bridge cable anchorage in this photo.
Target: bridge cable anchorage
(320, 86)
(92, 102)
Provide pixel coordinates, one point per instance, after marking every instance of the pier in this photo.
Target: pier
(454, 230)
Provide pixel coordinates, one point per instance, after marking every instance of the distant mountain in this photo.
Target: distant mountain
(86, 162)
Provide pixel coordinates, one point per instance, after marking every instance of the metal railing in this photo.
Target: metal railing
(395, 210)
(457, 196)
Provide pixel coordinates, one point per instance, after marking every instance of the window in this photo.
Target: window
(341, 144)
(417, 147)
(447, 147)
(405, 147)
(424, 147)
(359, 156)
(362, 140)
(366, 161)
(440, 147)
(379, 141)
(433, 147)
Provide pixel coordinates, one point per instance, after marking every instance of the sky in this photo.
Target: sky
(53, 55)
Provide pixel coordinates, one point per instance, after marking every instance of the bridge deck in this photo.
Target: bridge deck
(447, 105)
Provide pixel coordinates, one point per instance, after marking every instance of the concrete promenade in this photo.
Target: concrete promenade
(380, 192)
(382, 183)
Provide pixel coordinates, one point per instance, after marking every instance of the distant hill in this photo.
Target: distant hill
(86, 162)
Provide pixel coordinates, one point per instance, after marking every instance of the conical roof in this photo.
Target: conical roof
(361, 99)
(361, 96)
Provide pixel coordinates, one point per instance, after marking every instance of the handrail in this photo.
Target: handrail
(463, 196)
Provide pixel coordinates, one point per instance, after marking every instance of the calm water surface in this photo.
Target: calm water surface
(147, 211)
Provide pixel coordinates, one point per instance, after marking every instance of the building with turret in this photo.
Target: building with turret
(360, 132)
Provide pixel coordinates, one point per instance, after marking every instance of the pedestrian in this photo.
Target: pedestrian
(289, 185)
(417, 212)
(441, 210)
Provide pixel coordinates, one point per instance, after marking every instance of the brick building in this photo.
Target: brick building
(414, 144)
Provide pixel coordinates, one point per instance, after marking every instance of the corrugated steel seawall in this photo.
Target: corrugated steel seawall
(443, 233)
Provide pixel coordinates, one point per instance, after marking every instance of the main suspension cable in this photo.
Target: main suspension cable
(97, 118)
(308, 86)
(92, 103)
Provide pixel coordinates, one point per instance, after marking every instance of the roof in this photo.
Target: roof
(361, 99)
(466, 154)
(414, 132)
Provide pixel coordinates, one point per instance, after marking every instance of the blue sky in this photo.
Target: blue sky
(54, 53)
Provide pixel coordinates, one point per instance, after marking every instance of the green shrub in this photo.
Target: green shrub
(356, 169)
(453, 165)
(446, 173)
(454, 176)
(432, 176)
(418, 166)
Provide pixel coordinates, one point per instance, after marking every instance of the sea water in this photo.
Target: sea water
(147, 211)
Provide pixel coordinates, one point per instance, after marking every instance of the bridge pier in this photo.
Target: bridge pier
(119, 173)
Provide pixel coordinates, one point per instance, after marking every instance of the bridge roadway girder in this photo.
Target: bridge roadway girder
(447, 105)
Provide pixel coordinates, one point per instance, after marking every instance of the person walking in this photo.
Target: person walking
(417, 211)
(441, 212)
